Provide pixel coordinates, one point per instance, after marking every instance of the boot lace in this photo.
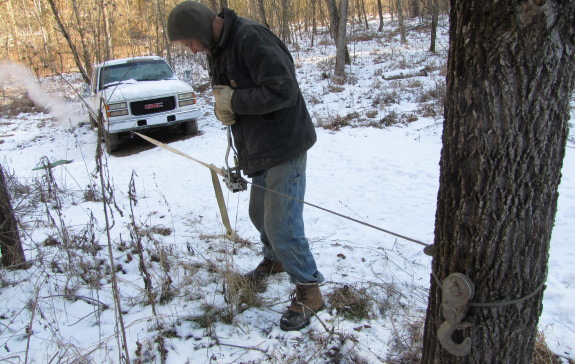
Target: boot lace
(297, 297)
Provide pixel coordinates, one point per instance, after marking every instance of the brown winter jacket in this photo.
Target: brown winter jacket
(273, 124)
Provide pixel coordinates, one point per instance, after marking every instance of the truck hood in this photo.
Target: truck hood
(144, 90)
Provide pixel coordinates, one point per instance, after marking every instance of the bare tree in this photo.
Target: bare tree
(215, 5)
(434, 10)
(66, 35)
(341, 39)
(401, 18)
(87, 62)
(415, 8)
(285, 33)
(334, 25)
(262, 13)
(361, 10)
(511, 74)
(380, 13)
(108, 48)
(10, 244)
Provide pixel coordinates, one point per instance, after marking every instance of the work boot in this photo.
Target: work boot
(266, 268)
(306, 302)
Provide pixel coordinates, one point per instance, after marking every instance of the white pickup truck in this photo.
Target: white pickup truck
(133, 94)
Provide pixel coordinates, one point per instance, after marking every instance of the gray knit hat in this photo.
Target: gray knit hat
(192, 20)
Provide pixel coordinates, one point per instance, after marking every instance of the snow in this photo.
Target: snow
(386, 177)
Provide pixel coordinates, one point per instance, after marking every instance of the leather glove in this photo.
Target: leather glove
(223, 108)
(225, 117)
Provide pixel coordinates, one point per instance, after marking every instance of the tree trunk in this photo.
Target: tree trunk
(108, 50)
(66, 35)
(262, 13)
(415, 8)
(380, 13)
(510, 77)
(334, 26)
(434, 9)
(285, 30)
(361, 10)
(400, 18)
(10, 244)
(333, 18)
(341, 39)
(81, 31)
(215, 6)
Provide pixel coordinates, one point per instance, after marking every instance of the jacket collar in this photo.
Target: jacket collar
(229, 20)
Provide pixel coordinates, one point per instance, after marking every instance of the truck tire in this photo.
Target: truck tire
(191, 127)
(112, 142)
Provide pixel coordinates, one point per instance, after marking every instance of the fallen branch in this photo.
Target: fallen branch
(82, 298)
(400, 74)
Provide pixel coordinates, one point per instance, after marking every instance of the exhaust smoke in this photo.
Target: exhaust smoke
(17, 75)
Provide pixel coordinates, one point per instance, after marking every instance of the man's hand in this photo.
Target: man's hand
(223, 108)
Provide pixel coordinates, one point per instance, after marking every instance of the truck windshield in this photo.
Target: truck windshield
(151, 70)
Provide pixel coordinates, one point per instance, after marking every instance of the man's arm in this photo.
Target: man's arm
(273, 72)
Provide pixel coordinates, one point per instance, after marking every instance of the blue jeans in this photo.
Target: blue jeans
(279, 219)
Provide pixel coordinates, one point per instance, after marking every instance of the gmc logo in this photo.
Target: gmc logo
(154, 105)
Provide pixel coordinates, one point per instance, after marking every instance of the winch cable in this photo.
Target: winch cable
(223, 209)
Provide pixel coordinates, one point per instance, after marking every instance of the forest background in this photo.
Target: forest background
(55, 37)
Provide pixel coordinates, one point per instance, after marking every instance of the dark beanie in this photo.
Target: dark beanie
(192, 20)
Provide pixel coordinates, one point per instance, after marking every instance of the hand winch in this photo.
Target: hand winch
(232, 176)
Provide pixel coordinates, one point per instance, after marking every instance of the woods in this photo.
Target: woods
(54, 37)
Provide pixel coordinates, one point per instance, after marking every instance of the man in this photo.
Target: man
(257, 94)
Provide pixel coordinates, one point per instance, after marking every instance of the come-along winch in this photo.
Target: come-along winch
(232, 176)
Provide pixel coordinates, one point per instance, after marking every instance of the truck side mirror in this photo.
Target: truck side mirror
(86, 91)
(187, 76)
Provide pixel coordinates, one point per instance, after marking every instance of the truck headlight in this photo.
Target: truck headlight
(188, 98)
(117, 109)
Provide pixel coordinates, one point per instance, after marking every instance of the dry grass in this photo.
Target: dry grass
(18, 102)
(350, 302)
(241, 292)
(543, 355)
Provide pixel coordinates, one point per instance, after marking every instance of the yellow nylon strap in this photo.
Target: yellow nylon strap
(216, 182)
(221, 204)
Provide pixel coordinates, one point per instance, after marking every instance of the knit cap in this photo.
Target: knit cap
(192, 20)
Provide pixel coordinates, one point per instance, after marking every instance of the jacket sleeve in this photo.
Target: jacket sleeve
(272, 71)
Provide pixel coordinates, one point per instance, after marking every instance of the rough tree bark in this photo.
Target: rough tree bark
(334, 25)
(415, 8)
(511, 71)
(341, 39)
(380, 13)
(401, 20)
(285, 33)
(10, 244)
(434, 9)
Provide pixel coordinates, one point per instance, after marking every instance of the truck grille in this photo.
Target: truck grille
(153, 106)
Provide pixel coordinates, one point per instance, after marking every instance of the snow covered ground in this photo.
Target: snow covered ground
(62, 308)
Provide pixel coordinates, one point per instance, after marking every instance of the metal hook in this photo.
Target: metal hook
(457, 290)
(444, 334)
